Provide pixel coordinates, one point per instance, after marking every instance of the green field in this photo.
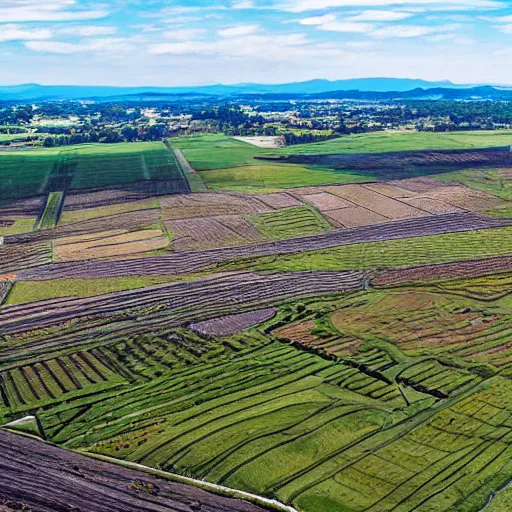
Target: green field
(51, 212)
(26, 173)
(32, 291)
(388, 397)
(9, 137)
(497, 182)
(381, 142)
(412, 251)
(353, 413)
(229, 164)
(274, 177)
(290, 223)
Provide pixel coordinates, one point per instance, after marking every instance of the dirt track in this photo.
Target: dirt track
(44, 478)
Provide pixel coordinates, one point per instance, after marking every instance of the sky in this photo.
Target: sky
(197, 42)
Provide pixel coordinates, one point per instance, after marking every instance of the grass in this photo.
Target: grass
(21, 225)
(14, 136)
(250, 412)
(289, 223)
(497, 182)
(228, 164)
(275, 177)
(74, 216)
(412, 251)
(501, 501)
(207, 152)
(381, 142)
(26, 173)
(31, 291)
(49, 218)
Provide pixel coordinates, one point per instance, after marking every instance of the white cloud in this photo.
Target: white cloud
(314, 5)
(410, 31)
(240, 30)
(243, 4)
(19, 33)
(87, 30)
(54, 10)
(506, 29)
(268, 47)
(346, 26)
(318, 20)
(185, 34)
(103, 46)
(375, 15)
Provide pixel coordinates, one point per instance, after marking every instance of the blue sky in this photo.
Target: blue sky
(165, 42)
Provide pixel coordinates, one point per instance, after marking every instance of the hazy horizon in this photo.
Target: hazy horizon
(200, 42)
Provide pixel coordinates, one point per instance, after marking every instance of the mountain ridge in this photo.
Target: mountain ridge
(36, 92)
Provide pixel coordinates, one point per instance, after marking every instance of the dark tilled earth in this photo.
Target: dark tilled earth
(38, 477)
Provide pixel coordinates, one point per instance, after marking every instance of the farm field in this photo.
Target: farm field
(234, 165)
(337, 341)
(27, 172)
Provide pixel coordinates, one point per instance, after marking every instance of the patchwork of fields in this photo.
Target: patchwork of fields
(323, 338)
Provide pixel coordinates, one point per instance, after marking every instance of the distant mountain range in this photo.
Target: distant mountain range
(364, 88)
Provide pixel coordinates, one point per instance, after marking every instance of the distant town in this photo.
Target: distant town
(61, 123)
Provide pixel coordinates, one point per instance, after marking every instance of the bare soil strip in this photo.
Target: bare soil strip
(459, 269)
(233, 324)
(38, 476)
(183, 302)
(192, 261)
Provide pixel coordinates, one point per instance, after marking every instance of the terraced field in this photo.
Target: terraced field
(332, 347)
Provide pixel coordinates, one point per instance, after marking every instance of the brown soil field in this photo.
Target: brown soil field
(433, 206)
(23, 207)
(99, 198)
(233, 324)
(123, 221)
(354, 217)
(279, 200)
(210, 205)
(325, 201)
(109, 244)
(382, 205)
(183, 302)
(456, 270)
(419, 185)
(305, 191)
(39, 477)
(14, 257)
(389, 190)
(404, 164)
(193, 261)
(202, 233)
(300, 333)
(466, 198)
(72, 216)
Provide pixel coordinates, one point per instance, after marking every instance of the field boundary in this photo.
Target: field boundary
(201, 484)
(194, 185)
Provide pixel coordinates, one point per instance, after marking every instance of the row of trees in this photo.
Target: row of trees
(109, 135)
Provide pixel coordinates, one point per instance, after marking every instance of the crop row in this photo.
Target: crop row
(24, 386)
(14, 258)
(184, 300)
(197, 260)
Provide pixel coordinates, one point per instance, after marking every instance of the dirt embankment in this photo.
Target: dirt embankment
(36, 476)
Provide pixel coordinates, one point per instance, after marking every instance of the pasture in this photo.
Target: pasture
(228, 164)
